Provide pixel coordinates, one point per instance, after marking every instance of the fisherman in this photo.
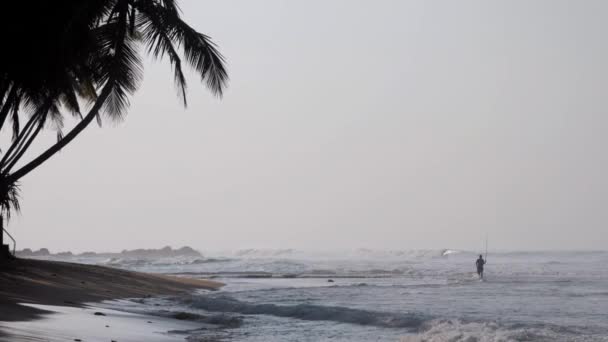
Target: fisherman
(479, 263)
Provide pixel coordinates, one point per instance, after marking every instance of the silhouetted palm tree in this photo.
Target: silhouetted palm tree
(62, 54)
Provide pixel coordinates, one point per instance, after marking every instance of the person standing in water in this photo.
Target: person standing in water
(479, 263)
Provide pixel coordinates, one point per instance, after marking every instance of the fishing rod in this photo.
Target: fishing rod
(486, 248)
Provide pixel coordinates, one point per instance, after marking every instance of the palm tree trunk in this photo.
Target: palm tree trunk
(18, 141)
(15, 176)
(24, 148)
(1, 233)
(5, 252)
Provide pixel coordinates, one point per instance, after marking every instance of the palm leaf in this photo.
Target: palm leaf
(15, 119)
(9, 197)
(119, 65)
(155, 36)
(162, 25)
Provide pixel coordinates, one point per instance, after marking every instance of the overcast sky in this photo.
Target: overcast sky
(379, 124)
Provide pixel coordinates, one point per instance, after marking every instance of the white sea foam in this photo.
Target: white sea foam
(456, 331)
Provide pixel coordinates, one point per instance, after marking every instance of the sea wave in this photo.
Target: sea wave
(454, 330)
(173, 261)
(337, 254)
(310, 312)
(313, 274)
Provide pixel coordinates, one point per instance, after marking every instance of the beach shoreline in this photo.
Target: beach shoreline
(34, 290)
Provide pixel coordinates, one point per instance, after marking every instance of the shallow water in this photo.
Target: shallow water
(394, 295)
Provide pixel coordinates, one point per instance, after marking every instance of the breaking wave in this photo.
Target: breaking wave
(454, 330)
(421, 328)
(310, 312)
(336, 254)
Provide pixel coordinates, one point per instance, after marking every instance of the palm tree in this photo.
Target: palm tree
(68, 53)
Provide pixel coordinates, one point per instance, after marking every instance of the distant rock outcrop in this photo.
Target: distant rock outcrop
(165, 252)
(24, 252)
(29, 253)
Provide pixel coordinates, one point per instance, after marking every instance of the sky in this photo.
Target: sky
(351, 124)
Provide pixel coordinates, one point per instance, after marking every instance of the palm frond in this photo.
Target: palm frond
(15, 119)
(85, 87)
(69, 100)
(12, 100)
(78, 49)
(204, 57)
(161, 26)
(9, 198)
(156, 36)
(4, 87)
(55, 118)
(119, 64)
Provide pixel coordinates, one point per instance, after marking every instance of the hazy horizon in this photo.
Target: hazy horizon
(351, 124)
(312, 252)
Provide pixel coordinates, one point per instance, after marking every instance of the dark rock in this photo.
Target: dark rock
(99, 314)
(26, 252)
(187, 251)
(42, 252)
(187, 316)
(224, 320)
(165, 252)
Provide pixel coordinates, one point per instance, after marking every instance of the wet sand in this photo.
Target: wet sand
(87, 324)
(30, 290)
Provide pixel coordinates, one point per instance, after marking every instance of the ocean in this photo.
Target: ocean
(375, 295)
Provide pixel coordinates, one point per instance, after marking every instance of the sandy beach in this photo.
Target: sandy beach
(53, 301)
